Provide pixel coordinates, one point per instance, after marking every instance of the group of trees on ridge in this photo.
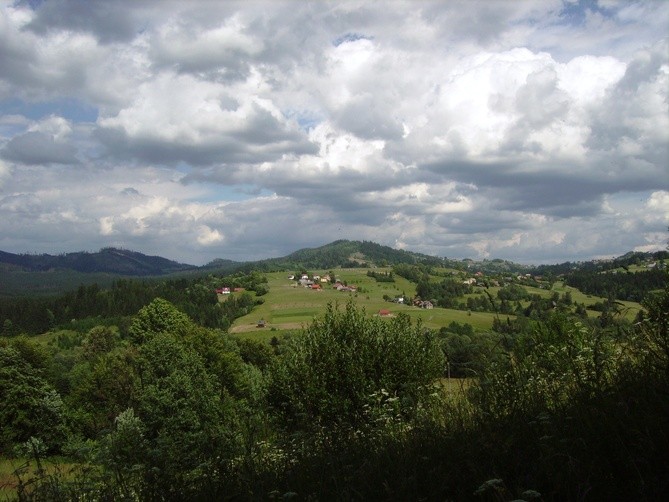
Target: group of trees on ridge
(194, 296)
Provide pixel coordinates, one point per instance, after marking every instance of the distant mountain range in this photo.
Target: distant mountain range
(44, 273)
(107, 260)
(341, 253)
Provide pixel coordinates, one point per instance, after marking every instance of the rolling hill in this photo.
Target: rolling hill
(25, 274)
(346, 254)
(107, 260)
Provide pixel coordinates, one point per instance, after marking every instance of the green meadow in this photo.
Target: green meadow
(288, 307)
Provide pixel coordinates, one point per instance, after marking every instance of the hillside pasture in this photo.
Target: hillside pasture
(628, 309)
(288, 306)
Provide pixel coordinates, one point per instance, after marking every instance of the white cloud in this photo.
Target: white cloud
(193, 48)
(56, 127)
(658, 202)
(106, 225)
(208, 236)
(587, 78)
(176, 117)
(527, 130)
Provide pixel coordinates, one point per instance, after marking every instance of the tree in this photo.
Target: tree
(222, 360)
(346, 362)
(101, 388)
(123, 452)
(187, 426)
(8, 327)
(159, 316)
(32, 352)
(30, 406)
(654, 328)
(99, 340)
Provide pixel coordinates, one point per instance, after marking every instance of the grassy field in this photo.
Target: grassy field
(7, 479)
(28, 472)
(288, 307)
(629, 309)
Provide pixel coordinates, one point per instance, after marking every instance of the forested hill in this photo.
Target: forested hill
(347, 254)
(632, 261)
(107, 260)
(366, 254)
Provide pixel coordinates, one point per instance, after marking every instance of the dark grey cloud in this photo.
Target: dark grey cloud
(39, 148)
(557, 190)
(130, 192)
(16, 59)
(239, 148)
(636, 110)
(337, 186)
(480, 222)
(107, 21)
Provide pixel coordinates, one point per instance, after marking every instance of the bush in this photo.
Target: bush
(333, 374)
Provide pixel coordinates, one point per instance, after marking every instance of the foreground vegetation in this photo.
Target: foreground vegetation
(353, 409)
(410, 381)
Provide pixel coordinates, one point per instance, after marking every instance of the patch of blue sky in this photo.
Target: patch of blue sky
(9, 128)
(306, 120)
(307, 123)
(574, 13)
(33, 4)
(71, 109)
(630, 199)
(350, 37)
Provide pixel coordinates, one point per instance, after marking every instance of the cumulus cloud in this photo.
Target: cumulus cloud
(38, 148)
(534, 131)
(222, 50)
(208, 236)
(44, 142)
(45, 67)
(109, 22)
(658, 202)
(177, 118)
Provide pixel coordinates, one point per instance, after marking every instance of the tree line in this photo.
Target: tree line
(194, 296)
(628, 286)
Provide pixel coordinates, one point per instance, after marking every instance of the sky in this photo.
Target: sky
(533, 131)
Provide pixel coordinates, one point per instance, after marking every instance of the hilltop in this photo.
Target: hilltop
(347, 254)
(366, 254)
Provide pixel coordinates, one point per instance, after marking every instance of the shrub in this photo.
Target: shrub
(333, 374)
